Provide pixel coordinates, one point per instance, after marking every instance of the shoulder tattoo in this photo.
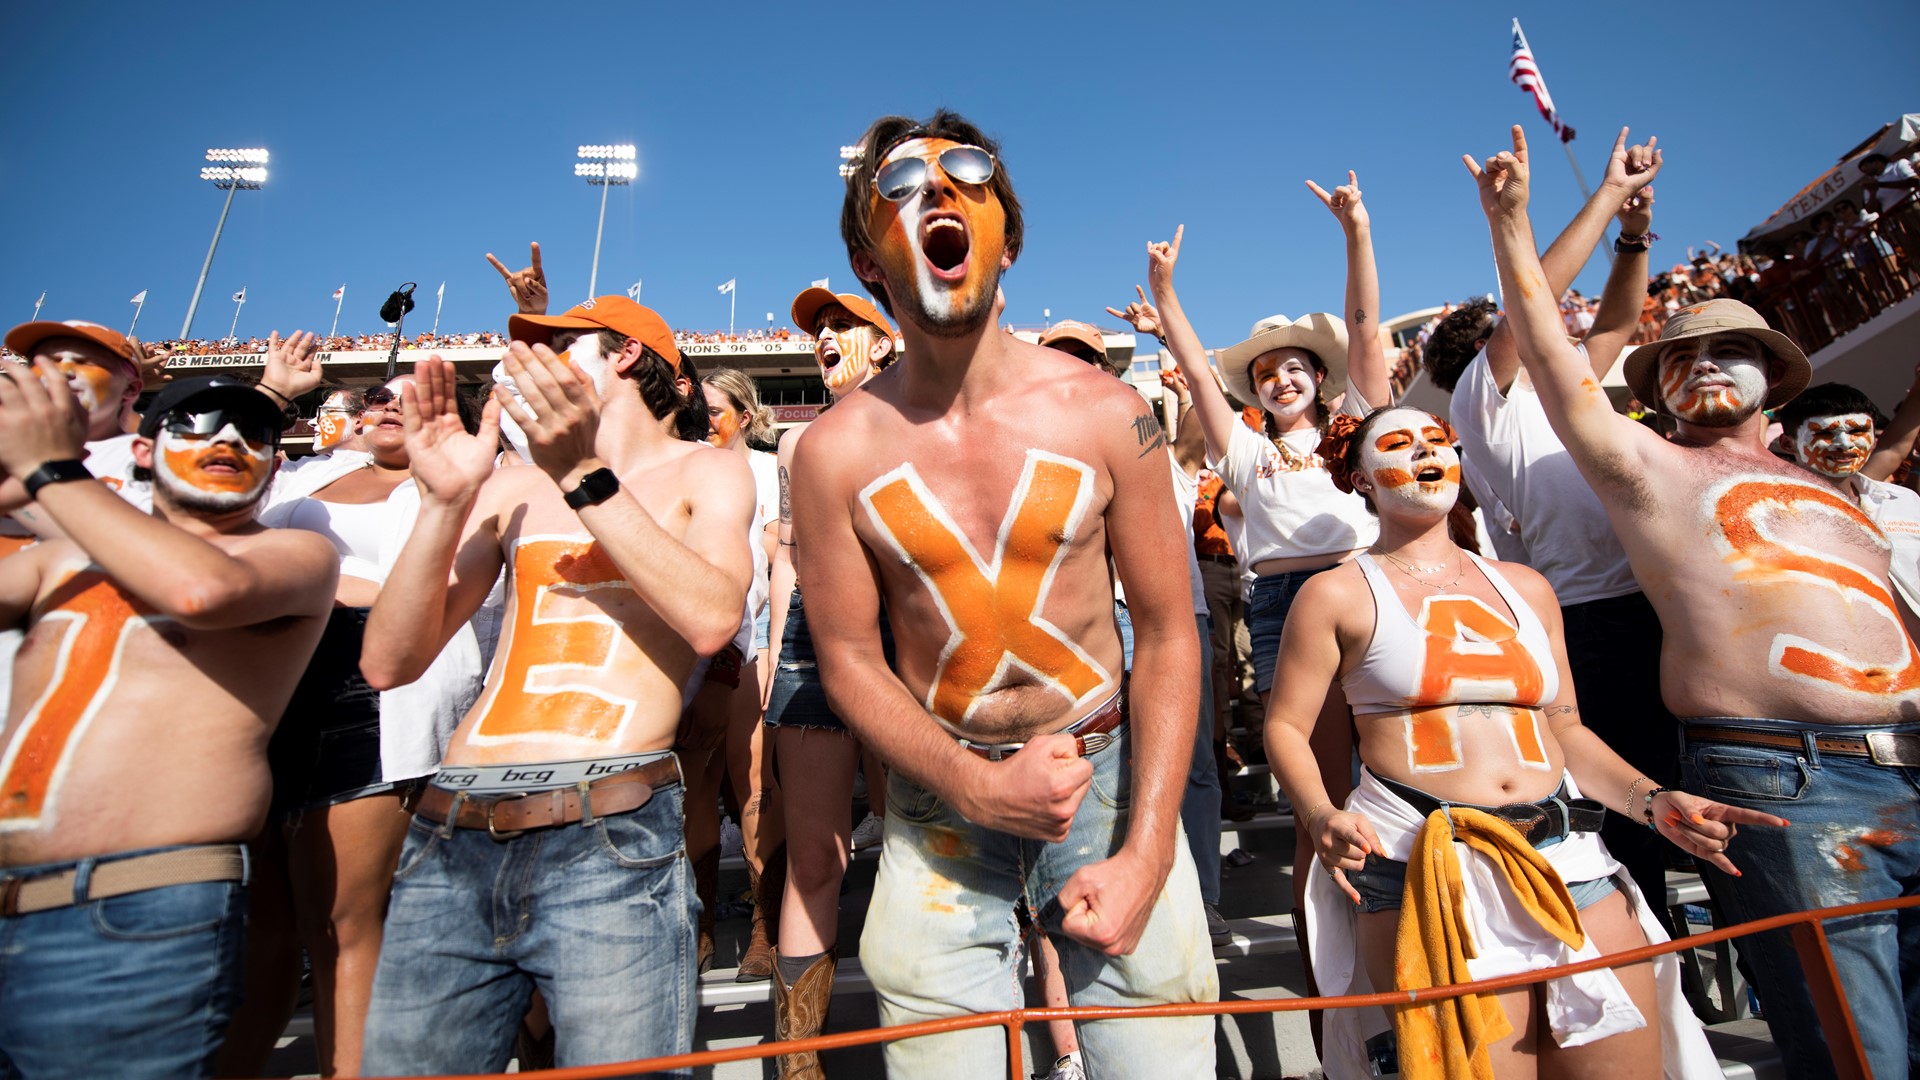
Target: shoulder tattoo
(1148, 433)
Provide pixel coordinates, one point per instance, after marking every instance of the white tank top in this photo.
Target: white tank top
(1459, 649)
(355, 529)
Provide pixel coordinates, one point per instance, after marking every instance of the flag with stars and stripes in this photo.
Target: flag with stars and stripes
(1526, 75)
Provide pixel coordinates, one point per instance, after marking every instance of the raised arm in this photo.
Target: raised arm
(1366, 357)
(1629, 169)
(1189, 444)
(528, 287)
(1626, 291)
(292, 367)
(204, 586)
(697, 584)
(1216, 416)
(1897, 440)
(451, 558)
(1576, 406)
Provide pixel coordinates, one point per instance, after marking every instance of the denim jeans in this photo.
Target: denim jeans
(1200, 803)
(1268, 602)
(1855, 837)
(600, 918)
(941, 937)
(140, 985)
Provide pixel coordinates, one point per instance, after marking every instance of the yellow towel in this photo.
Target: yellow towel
(1449, 1039)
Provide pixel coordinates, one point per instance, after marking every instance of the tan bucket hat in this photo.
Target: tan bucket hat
(1721, 316)
(1321, 333)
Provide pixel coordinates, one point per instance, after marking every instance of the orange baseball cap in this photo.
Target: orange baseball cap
(616, 313)
(23, 338)
(807, 307)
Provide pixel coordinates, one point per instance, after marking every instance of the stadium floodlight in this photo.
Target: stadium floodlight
(850, 161)
(605, 165)
(231, 170)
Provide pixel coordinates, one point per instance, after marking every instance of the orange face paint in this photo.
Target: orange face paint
(993, 608)
(1745, 510)
(1433, 737)
(331, 429)
(215, 464)
(94, 619)
(568, 654)
(906, 245)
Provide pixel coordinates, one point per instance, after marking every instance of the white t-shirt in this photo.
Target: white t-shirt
(1892, 197)
(766, 508)
(1292, 508)
(1897, 511)
(1186, 492)
(1509, 445)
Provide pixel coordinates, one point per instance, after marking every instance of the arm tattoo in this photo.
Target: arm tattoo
(1146, 428)
(1562, 710)
(1359, 316)
(786, 498)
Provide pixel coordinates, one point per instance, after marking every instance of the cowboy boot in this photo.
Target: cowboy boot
(756, 964)
(706, 885)
(800, 1012)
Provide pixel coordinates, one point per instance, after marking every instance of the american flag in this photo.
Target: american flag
(1526, 75)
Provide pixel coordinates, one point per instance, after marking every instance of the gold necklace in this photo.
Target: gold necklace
(1408, 569)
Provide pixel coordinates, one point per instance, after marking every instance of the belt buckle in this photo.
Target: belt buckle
(1094, 743)
(1894, 748)
(1527, 819)
(497, 835)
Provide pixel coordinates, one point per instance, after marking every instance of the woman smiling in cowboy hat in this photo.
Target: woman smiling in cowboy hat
(1297, 522)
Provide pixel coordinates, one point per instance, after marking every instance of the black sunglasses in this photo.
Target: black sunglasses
(206, 423)
(379, 397)
(896, 181)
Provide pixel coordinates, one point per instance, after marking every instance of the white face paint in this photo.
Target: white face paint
(1837, 446)
(1714, 381)
(583, 350)
(212, 474)
(1285, 382)
(941, 248)
(1413, 468)
(847, 348)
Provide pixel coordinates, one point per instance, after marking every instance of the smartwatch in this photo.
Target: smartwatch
(595, 488)
(56, 472)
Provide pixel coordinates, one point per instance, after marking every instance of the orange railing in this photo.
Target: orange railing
(1809, 940)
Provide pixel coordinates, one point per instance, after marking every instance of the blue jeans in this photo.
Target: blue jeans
(1855, 837)
(140, 985)
(1200, 804)
(600, 918)
(941, 937)
(1267, 605)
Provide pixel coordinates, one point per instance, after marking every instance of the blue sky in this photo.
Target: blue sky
(409, 140)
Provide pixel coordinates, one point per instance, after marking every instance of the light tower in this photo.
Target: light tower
(231, 170)
(604, 166)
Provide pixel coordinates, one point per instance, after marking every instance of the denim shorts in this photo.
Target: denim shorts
(326, 750)
(1267, 607)
(1382, 883)
(797, 698)
(762, 628)
(139, 985)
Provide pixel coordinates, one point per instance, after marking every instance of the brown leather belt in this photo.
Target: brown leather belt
(1901, 748)
(1091, 733)
(24, 895)
(510, 815)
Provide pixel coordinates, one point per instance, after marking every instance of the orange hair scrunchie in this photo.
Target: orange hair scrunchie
(1333, 448)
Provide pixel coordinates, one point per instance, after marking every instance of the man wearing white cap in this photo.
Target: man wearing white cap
(1785, 658)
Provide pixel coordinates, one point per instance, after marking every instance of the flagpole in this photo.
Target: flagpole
(733, 297)
(437, 304)
(338, 299)
(237, 305)
(1586, 195)
(37, 303)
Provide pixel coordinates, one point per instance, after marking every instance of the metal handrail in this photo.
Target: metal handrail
(1810, 940)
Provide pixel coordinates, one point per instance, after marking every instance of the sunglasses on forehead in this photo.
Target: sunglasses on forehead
(896, 181)
(207, 423)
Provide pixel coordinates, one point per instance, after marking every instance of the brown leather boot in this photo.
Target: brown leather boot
(706, 885)
(800, 1012)
(756, 965)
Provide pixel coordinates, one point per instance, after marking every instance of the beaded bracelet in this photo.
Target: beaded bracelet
(1648, 812)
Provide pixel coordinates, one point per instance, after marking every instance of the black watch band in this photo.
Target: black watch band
(56, 472)
(595, 488)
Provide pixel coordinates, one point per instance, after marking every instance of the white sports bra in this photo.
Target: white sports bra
(1459, 649)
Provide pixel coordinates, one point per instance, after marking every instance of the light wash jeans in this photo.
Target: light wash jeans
(941, 938)
(600, 918)
(140, 985)
(1855, 837)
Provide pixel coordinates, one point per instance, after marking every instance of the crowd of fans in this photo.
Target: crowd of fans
(477, 865)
